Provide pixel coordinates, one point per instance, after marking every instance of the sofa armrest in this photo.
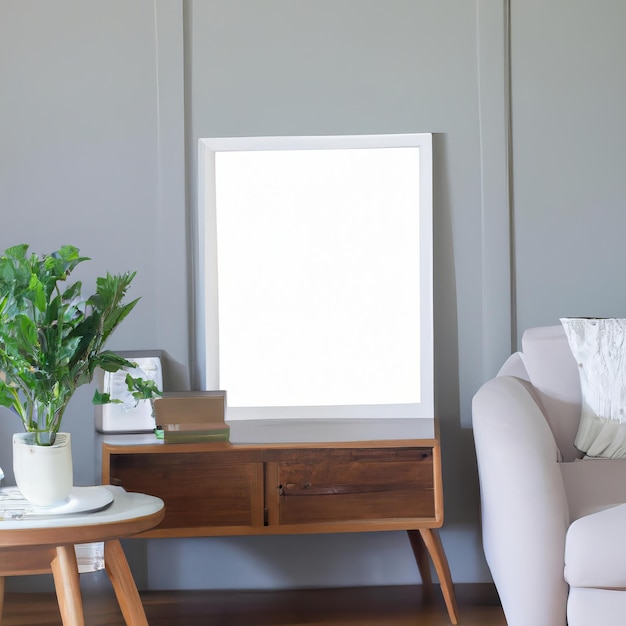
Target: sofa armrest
(514, 366)
(524, 507)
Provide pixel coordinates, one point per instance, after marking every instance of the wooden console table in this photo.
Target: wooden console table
(214, 489)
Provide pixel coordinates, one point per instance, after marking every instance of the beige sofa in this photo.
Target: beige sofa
(553, 525)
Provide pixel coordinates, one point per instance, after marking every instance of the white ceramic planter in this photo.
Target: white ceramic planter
(43, 474)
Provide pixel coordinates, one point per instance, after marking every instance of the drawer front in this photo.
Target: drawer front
(339, 485)
(199, 490)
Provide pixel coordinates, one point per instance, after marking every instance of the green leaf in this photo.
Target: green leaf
(17, 252)
(7, 397)
(72, 292)
(142, 389)
(27, 333)
(103, 398)
(112, 362)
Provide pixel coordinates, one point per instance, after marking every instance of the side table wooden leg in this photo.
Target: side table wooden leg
(123, 583)
(423, 563)
(67, 585)
(2, 581)
(435, 549)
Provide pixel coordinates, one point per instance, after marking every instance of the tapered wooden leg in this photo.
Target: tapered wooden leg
(67, 585)
(435, 549)
(423, 563)
(123, 583)
(2, 579)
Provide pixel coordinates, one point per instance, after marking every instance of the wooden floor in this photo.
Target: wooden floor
(370, 606)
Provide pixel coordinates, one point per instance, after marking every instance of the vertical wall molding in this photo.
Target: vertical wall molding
(494, 94)
(171, 210)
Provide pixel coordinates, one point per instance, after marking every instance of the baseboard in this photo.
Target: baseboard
(468, 594)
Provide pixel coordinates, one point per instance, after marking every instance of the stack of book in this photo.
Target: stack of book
(192, 416)
(187, 433)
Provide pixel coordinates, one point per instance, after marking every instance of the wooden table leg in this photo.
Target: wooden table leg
(2, 580)
(123, 583)
(67, 585)
(435, 549)
(423, 563)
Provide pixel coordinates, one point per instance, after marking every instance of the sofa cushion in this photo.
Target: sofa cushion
(595, 552)
(596, 607)
(593, 485)
(553, 372)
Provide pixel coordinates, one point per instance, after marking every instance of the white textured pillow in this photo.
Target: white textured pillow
(599, 347)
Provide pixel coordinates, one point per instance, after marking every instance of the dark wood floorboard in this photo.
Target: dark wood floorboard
(370, 606)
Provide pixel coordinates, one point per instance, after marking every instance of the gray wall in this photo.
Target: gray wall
(569, 97)
(101, 107)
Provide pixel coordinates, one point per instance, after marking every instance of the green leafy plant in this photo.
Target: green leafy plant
(52, 339)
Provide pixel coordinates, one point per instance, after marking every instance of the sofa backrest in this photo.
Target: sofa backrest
(553, 372)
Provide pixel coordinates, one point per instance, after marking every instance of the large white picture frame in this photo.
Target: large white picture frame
(333, 234)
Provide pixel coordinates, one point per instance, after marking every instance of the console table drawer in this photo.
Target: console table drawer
(200, 490)
(353, 484)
